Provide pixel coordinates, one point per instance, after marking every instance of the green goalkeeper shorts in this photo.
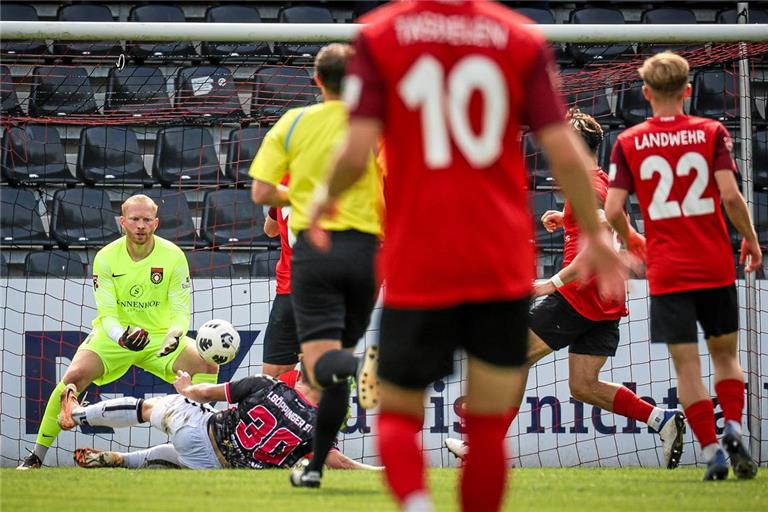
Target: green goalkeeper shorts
(118, 360)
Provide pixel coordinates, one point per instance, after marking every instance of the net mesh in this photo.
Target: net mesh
(90, 124)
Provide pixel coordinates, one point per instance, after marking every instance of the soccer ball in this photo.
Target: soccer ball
(217, 341)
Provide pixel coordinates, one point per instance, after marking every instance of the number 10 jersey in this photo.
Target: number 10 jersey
(670, 163)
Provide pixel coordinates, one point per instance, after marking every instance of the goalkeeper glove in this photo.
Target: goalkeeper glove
(134, 339)
(170, 342)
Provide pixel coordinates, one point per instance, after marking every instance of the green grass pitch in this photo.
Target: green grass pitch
(540, 490)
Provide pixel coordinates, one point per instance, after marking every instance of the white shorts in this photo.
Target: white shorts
(186, 422)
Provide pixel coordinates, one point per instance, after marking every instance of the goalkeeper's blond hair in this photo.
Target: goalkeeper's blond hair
(666, 74)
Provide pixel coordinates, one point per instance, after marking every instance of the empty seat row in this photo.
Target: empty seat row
(85, 217)
(200, 92)
(157, 13)
(110, 155)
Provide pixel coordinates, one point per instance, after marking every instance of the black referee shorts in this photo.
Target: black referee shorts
(334, 293)
(674, 315)
(281, 342)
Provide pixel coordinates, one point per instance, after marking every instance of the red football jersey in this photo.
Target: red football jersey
(670, 163)
(452, 83)
(283, 269)
(584, 296)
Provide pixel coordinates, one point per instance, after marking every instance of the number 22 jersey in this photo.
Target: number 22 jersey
(670, 163)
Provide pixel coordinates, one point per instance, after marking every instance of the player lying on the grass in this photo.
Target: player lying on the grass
(272, 425)
(691, 275)
(142, 290)
(575, 315)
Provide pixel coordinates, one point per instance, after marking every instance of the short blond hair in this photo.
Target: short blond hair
(666, 73)
(139, 199)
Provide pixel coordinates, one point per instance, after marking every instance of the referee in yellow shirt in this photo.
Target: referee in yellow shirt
(333, 292)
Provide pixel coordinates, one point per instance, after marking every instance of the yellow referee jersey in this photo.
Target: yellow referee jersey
(303, 142)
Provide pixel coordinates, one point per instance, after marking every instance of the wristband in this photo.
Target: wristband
(555, 279)
(116, 332)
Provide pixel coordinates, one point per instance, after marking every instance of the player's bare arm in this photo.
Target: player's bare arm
(337, 460)
(202, 393)
(266, 193)
(271, 228)
(738, 213)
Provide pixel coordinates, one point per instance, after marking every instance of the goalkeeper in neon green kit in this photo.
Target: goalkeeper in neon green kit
(142, 289)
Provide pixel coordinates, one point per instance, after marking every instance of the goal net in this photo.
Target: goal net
(88, 124)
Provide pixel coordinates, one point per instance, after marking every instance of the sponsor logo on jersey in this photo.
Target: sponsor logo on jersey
(117, 275)
(136, 291)
(186, 284)
(156, 275)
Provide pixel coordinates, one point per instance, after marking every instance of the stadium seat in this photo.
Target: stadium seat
(204, 92)
(21, 12)
(761, 218)
(631, 106)
(9, 101)
(604, 152)
(158, 13)
(594, 102)
(175, 217)
(263, 264)
(760, 158)
(584, 54)
(548, 264)
(537, 164)
(4, 270)
(20, 222)
(59, 91)
(233, 14)
(540, 203)
(665, 16)
(535, 14)
(302, 14)
(210, 264)
(186, 155)
(91, 13)
(231, 218)
(110, 155)
(57, 264)
(137, 91)
(241, 149)
(34, 154)
(83, 217)
(279, 88)
(715, 95)
(755, 16)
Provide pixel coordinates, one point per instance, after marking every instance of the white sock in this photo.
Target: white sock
(655, 419)
(418, 502)
(118, 412)
(735, 426)
(164, 454)
(709, 451)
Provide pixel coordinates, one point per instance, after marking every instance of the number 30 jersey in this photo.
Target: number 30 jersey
(271, 426)
(670, 163)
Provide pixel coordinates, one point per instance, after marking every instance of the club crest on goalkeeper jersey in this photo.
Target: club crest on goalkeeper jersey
(271, 426)
(153, 293)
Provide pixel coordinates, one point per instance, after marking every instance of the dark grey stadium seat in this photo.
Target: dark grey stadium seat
(760, 158)
(263, 264)
(136, 91)
(59, 91)
(61, 264)
(9, 101)
(716, 95)
(83, 216)
(761, 218)
(86, 12)
(175, 217)
(20, 222)
(665, 16)
(231, 218)
(594, 102)
(604, 152)
(302, 14)
(204, 92)
(537, 164)
(210, 264)
(20, 12)
(35, 154)
(158, 13)
(584, 54)
(755, 16)
(538, 15)
(186, 155)
(110, 155)
(241, 149)
(279, 88)
(631, 106)
(540, 203)
(233, 14)
(4, 270)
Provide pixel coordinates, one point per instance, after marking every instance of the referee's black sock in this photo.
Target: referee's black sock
(335, 366)
(331, 413)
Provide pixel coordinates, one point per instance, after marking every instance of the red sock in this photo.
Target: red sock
(730, 393)
(701, 418)
(400, 453)
(628, 404)
(484, 475)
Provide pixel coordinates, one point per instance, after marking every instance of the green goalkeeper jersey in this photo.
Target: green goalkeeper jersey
(153, 293)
